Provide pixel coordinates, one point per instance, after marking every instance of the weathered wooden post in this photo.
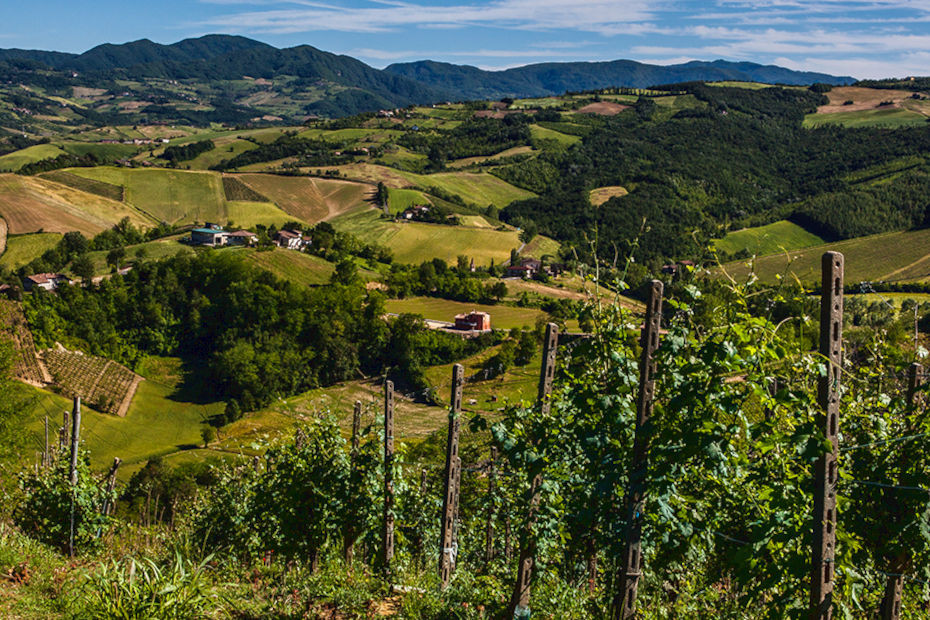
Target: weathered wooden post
(350, 527)
(826, 468)
(75, 444)
(894, 584)
(520, 599)
(46, 457)
(624, 603)
(450, 500)
(489, 530)
(64, 432)
(387, 550)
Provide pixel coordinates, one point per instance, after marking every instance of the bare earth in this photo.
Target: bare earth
(604, 108)
(862, 99)
(3, 231)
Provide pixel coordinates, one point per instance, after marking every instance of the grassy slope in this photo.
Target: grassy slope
(247, 214)
(541, 133)
(293, 266)
(226, 148)
(402, 199)
(888, 256)
(768, 239)
(29, 204)
(502, 317)
(414, 242)
(886, 117)
(470, 161)
(309, 199)
(12, 162)
(21, 249)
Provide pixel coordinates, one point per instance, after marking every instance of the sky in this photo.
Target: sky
(862, 38)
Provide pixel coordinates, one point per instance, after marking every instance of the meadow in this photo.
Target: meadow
(768, 239)
(436, 309)
(415, 242)
(23, 249)
(542, 133)
(11, 162)
(309, 199)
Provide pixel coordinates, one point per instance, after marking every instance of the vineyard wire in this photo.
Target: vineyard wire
(884, 441)
(884, 485)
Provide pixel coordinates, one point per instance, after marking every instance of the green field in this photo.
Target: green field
(472, 161)
(12, 162)
(776, 237)
(897, 256)
(401, 199)
(414, 242)
(889, 117)
(247, 214)
(541, 133)
(100, 151)
(226, 148)
(293, 266)
(736, 84)
(433, 308)
(174, 196)
(22, 249)
(154, 250)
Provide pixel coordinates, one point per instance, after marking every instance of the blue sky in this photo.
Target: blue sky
(863, 38)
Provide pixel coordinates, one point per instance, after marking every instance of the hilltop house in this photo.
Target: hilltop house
(526, 268)
(47, 281)
(473, 321)
(212, 236)
(289, 239)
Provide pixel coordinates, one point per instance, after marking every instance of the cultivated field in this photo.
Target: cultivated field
(175, 196)
(30, 204)
(297, 267)
(248, 214)
(105, 385)
(91, 186)
(22, 249)
(855, 106)
(603, 108)
(898, 256)
(542, 133)
(26, 364)
(226, 148)
(776, 237)
(414, 242)
(309, 199)
(3, 235)
(472, 161)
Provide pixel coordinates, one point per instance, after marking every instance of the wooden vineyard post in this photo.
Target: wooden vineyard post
(826, 470)
(489, 531)
(46, 458)
(450, 499)
(624, 602)
(75, 443)
(520, 599)
(107, 507)
(349, 535)
(894, 585)
(387, 547)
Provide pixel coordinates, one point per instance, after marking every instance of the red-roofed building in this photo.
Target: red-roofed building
(241, 237)
(47, 281)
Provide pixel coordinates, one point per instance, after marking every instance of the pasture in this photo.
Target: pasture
(297, 267)
(436, 309)
(415, 242)
(542, 133)
(768, 239)
(245, 214)
(400, 200)
(309, 199)
(23, 249)
(896, 256)
(30, 204)
(11, 162)
(474, 161)
(226, 148)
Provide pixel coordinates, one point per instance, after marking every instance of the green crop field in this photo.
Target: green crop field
(226, 148)
(22, 249)
(541, 133)
(768, 239)
(435, 309)
(479, 188)
(100, 151)
(91, 186)
(414, 242)
(898, 256)
(293, 266)
(884, 117)
(735, 84)
(174, 196)
(471, 161)
(247, 214)
(11, 162)
(402, 199)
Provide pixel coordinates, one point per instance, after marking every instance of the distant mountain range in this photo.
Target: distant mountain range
(333, 85)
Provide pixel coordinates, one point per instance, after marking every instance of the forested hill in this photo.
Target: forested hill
(241, 79)
(555, 78)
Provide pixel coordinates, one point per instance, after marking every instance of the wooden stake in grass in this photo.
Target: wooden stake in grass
(387, 548)
(520, 599)
(75, 443)
(107, 507)
(450, 500)
(826, 470)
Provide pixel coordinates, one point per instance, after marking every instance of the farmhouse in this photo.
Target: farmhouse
(241, 237)
(213, 237)
(47, 281)
(473, 321)
(289, 239)
(415, 211)
(526, 268)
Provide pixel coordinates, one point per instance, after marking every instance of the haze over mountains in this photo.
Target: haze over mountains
(344, 85)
